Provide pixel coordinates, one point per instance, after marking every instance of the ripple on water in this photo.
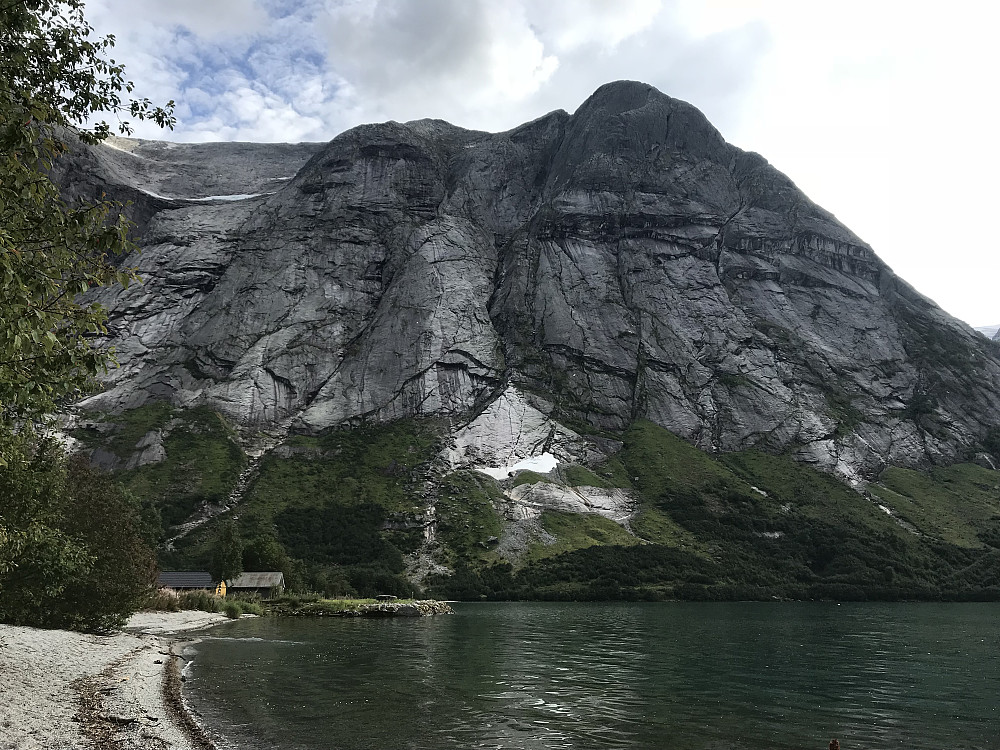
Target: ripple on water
(525, 676)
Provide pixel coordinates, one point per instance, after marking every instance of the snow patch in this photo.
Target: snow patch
(234, 197)
(543, 464)
(511, 431)
(206, 198)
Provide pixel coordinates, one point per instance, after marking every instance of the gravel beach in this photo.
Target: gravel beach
(73, 691)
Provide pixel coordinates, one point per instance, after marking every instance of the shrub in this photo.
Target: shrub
(72, 553)
(200, 599)
(232, 609)
(164, 600)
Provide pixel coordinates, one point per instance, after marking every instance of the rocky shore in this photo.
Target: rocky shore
(71, 691)
(356, 608)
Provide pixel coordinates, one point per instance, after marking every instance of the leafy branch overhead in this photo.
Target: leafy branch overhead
(56, 85)
(71, 548)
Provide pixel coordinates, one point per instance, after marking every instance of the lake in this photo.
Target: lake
(684, 676)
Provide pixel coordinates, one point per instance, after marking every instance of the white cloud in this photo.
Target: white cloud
(882, 112)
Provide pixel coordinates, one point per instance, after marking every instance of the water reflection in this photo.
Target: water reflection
(695, 676)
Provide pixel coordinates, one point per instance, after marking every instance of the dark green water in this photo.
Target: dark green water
(673, 675)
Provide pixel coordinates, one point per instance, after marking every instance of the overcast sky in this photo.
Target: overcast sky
(882, 111)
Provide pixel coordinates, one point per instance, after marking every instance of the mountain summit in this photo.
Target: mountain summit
(620, 263)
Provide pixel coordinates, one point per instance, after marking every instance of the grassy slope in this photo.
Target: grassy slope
(338, 513)
(959, 504)
(753, 525)
(203, 458)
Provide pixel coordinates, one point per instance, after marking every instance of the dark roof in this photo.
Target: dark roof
(257, 581)
(181, 579)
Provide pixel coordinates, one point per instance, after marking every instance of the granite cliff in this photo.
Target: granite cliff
(619, 263)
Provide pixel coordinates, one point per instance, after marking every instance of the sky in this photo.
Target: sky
(883, 112)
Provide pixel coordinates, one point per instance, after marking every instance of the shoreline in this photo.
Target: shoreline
(75, 691)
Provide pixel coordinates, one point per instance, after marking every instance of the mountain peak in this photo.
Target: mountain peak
(620, 263)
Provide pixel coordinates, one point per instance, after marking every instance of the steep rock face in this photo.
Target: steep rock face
(617, 263)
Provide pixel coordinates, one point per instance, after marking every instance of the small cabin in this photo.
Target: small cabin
(266, 584)
(189, 580)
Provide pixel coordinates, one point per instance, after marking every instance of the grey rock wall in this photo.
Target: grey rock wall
(618, 263)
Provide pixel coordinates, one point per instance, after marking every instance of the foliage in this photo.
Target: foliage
(54, 79)
(466, 514)
(72, 553)
(227, 555)
(320, 514)
(232, 609)
(575, 531)
(163, 600)
(199, 599)
(751, 525)
(336, 514)
(959, 504)
(203, 459)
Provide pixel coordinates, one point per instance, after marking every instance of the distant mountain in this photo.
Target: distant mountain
(989, 332)
(316, 317)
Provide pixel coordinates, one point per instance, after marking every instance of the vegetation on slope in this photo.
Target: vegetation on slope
(335, 513)
(340, 514)
(755, 526)
(203, 459)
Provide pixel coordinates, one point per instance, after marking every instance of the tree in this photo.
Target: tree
(227, 555)
(69, 554)
(54, 78)
(71, 548)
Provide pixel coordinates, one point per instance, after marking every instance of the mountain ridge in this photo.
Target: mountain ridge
(622, 262)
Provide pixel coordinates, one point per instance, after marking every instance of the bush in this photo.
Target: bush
(163, 600)
(232, 609)
(201, 599)
(72, 553)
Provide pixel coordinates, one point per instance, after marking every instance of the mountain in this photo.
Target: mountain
(538, 295)
(620, 262)
(990, 332)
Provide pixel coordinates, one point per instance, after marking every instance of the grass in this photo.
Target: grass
(575, 531)
(654, 525)
(168, 600)
(467, 516)
(123, 431)
(203, 462)
(806, 492)
(744, 525)
(959, 504)
(318, 607)
(662, 460)
(580, 476)
(525, 476)
(374, 465)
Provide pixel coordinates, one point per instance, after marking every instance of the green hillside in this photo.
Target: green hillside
(348, 512)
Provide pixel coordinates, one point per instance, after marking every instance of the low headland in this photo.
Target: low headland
(318, 607)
